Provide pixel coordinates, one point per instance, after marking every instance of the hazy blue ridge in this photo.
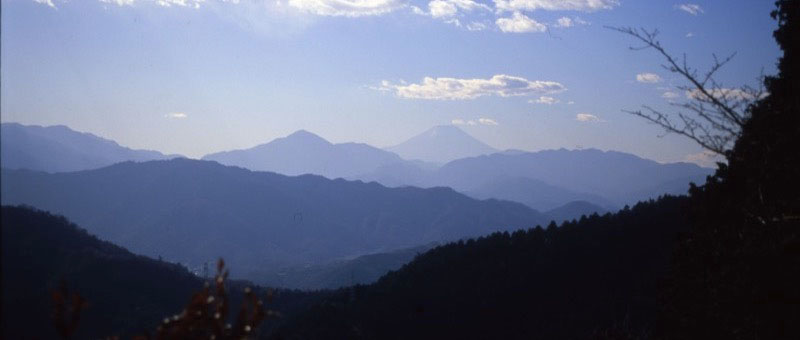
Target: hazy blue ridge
(192, 211)
(60, 149)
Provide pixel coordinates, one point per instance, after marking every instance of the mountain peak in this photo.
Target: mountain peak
(445, 131)
(303, 152)
(301, 139)
(445, 128)
(441, 144)
(305, 135)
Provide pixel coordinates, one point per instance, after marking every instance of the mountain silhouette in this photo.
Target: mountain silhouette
(192, 211)
(303, 152)
(547, 179)
(617, 177)
(59, 149)
(441, 144)
(533, 193)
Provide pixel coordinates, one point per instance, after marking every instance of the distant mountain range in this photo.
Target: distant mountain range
(548, 179)
(306, 153)
(541, 180)
(441, 144)
(534, 193)
(618, 177)
(303, 152)
(193, 211)
(59, 149)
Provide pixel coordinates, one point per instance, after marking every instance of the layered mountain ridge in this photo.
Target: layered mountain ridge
(192, 212)
(59, 149)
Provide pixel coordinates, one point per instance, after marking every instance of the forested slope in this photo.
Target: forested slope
(593, 275)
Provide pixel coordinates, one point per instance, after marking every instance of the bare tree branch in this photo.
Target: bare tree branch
(713, 115)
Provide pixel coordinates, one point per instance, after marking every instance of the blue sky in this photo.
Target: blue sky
(195, 77)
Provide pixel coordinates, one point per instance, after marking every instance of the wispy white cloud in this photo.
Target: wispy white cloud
(477, 26)
(554, 5)
(648, 78)
(544, 100)
(163, 3)
(440, 8)
(418, 10)
(48, 3)
(519, 23)
(579, 21)
(481, 121)
(693, 9)
(347, 8)
(452, 11)
(461, 13)
(119, 2)
(564, 22)
(689, 35)
(670, 95)
(176, 115)
(179, 3)
(587, 118)
(453, 21)
(461, 89)
(487, 121)
(449, 8)
(464, 122)
(722, 93)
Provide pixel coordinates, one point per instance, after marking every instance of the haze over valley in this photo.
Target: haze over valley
(299, 201)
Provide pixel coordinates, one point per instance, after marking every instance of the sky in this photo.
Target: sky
(199, 76)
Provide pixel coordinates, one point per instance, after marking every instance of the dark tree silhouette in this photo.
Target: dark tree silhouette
(735, 274)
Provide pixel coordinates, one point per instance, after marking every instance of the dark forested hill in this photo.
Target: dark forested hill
(125, 294)
(193, 212)
(597, 275)
(58, 149)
